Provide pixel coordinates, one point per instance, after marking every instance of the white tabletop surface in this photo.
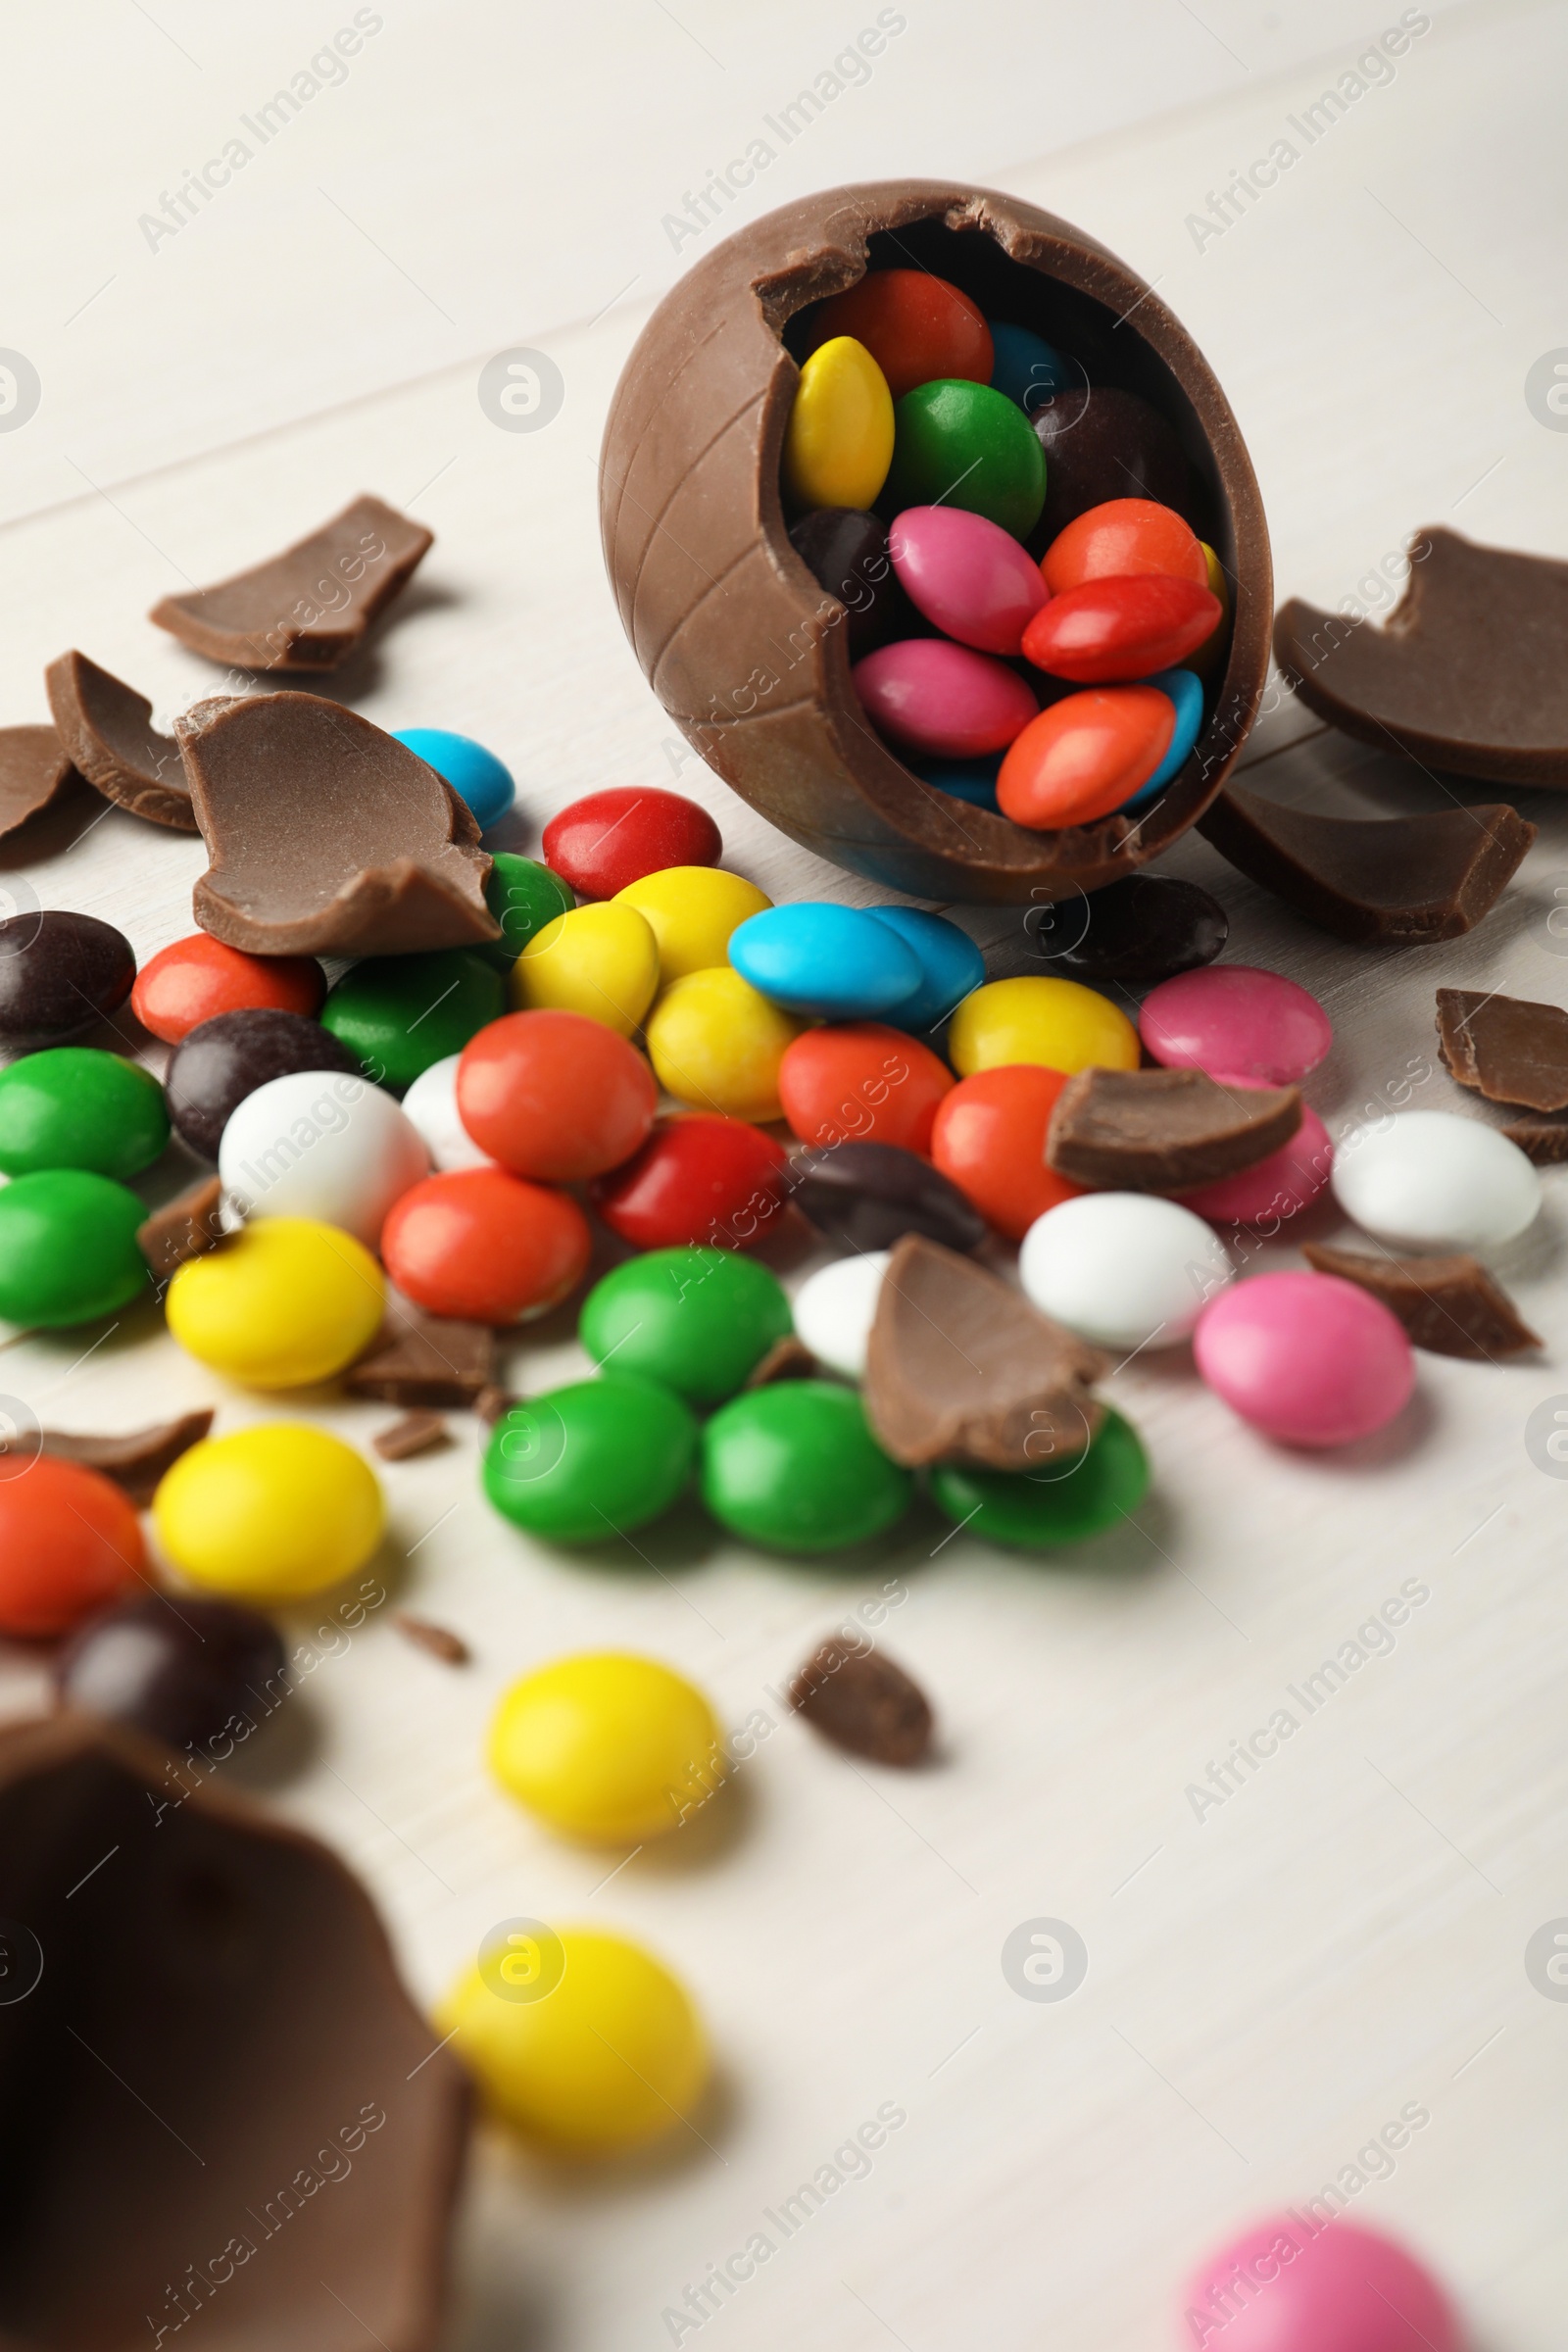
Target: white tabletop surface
(1270, 1983)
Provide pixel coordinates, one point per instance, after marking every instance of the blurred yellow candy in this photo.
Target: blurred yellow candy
(599, 959)
(581, 2040)
(607, 1746)
(693, 910)
(270, 1513)
(838, 444)
(282, 1303)
(1058, 1023)
(1206, 659)
(716, 1045)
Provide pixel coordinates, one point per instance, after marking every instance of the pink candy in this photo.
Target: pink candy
(1295, 2285)
(1305, 1357)
(942, 698)
(1232, 1017)
(1277, 1188)
(967, 576)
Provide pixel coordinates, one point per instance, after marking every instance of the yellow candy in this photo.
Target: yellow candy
(284, 1303)
(607, 1746)
(1206, 659)
(693, 910)
(1057, 1022)
(837, 445)
(716, 1044)
(601, 960)
(585, 2042)
(270, 1513)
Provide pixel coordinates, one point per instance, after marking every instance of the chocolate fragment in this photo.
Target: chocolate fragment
(1544, 1138)
(309, 608)
(59, 974)
(1400, 880)
(1469, 672)
(1448, 1306)
(195, 1674)
(137, 1460)
(327, 836)
(107, 729)
(34, 769)
(864, 1195)
(789, 1358)
(1164, 1131)
(1505, 1048)
(185, 1227)
(419, 1431)
(862, 1703)
(449, 1648)
(1144, 929)
(961, 1369)
(493, 1403)
(420, 1359)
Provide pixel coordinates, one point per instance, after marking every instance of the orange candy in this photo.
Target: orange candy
(70, 1543)
(483, 1247)
(555, 1095)
(1085, 756)
(1119, 539)
(198, 978)
(861, 1082)
(990, 1141)
(915, 326)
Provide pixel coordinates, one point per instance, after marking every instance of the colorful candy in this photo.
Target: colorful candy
(972, 780)
(1107, 631)
(431, 1106)
(1234, 1016)
(868, 1195)
(482, 1245)
(220, 1061)
(692, 912)
(943, 699)
(553, 1096)
(284, 1303)
(1184, 690)
(607, 1746)
(1102, 443)
(338, 1151)
(914, 324)
(838, 442)
(700, 1178)
(71, 1106)
(1064, 1504)
(70, 1545)
(609, 839)
(1305, 1357)
(863, 1082)
(397, 1014)
(967, 576)
(989, 1140)
(719, 1046)
(475, 774)
(601, 960)
(591, 1460)
(1057, 1022)
(198, 978)
(816, 957)
(269, 1513)
(794, 1467)
(68, 1248)
(696, 1319)
(950, 964)
(1119, 539)
(1124, 1270)
(187, 1673)
(59, 974)
(960, 444)
(1086, 756)
(1430, 1180)
(835, 1307)
(1026, 368)
(523, 897)
(846, 552)
(1296, 2284)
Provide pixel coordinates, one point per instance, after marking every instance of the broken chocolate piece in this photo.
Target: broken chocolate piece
(862, 1703)
(1448, 1306)
(789, 1358)
(493, 1403)
(1542, 1139)
(419, 1432)
(107, 728)
(961, 1369)
(864, 1195)
(1505, 1048)
(420, 1359)
(1164, 1131)
(137, 1460)
(34, 769)
(327, 836)
(449, 1648)
(309, 608)
(1469, 673)
(1400, 880)
(185, 1227)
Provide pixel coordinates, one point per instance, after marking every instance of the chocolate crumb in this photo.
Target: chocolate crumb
(449, 1648)
(186, 1227)
(862, 1703)
(1505, 1048)
(492, 1402)
(419, 1432)
(789, 1358)
(135, 1461)
(1447, 1305)
(417, 1358)
(1542, 1138)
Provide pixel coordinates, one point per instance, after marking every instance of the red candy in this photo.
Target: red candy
(70, 1543)
(602, 843)
(1120, 539)
(861, 1082)
(1108, 630)
(990, 1141)
(700, 1178)
(485, 1246)
(198, 978)
(915, 326)
(554, 1094)
(1085, 756)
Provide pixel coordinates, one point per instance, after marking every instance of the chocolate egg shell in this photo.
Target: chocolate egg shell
(740, 642)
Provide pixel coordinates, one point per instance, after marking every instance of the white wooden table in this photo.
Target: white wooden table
(1272, 1982)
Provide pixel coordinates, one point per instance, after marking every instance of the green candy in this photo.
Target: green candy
(793, 1466)
(73, 1106)
(964, 445)
(523, 897)
(1040, 1511)
(591, 1460)
(696, 1319)
(400, 1013)
(68, 1248)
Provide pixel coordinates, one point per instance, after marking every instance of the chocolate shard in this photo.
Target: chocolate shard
(449, 1648)
(309, 608)
(1164, 1131)
(185, 1227)
(960, 1368)
(1542, 1139)
(419, 1432)
(1505, 1048)
(493, 1403)
(34, 769)
(1397, 880)
(1470, 672)
(137, 1460)
(864, 1702)
(1448, 1306)
(420, 1359)
(107, 728)
(327, 836)
(789, 1358)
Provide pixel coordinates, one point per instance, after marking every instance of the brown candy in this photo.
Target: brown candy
(137, 1460)
(1470, 672)
(1164, 1131)
(1399, 880)
(107, 728)
(1448, 1306)
(419, 1431)
(34, 769)
(309, 608)
(327, 836)
(862, 1703)
(1505, 1048)
(185, 1227)
(420, 1359)
(960, 1368)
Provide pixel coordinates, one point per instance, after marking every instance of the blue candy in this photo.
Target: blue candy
(475, 774)
(1028, 368)
(972, 780)
(834, 960)
(1186, 691)
(950, 965)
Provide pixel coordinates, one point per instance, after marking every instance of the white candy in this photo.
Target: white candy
(1436, 1181)
(1123, 1270)
(431, 1102)
(835, 1307)
(319, 1144)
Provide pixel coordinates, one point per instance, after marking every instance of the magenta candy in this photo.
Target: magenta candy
(1305, 1357)
(967, 576)
(1233, 1017)
(1290, 2285)
(943, 699)
(1277, 1188)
